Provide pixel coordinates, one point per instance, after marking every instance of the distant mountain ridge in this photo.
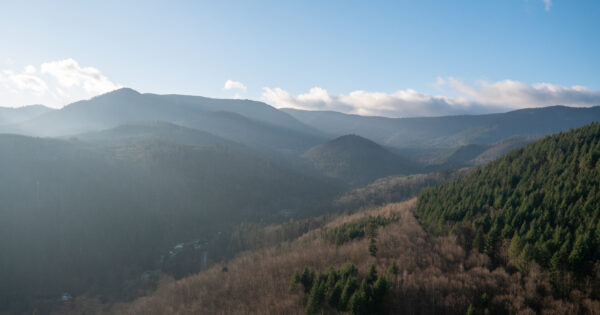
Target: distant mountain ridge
(21, 114)
(131, 133)
(291, 132)
(220, 117)
(450, 131)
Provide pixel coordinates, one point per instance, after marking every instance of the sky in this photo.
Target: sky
(396, 58)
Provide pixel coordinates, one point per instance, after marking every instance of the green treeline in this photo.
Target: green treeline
(342, 290)
(542, 200)
(355, 229)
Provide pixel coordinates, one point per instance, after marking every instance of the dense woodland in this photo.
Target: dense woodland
(129, 214)
(540, 203)
(435, 275)
(80, 217)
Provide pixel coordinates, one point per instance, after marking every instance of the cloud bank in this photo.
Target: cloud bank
(483, 97)
(55, 84)
(234, 85)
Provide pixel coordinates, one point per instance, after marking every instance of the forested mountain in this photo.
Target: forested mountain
(21, 114)
(333, 268)
(478, 154)
(394, 189)
(519, 235)
(135, 132)
(450, 131)
(539, 203)
(83, 217)
(137, 186)
(251, 122)
(357, 160)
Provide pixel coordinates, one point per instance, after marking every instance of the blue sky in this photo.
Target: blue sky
(397, 58)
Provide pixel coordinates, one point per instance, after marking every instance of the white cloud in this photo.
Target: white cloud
(70, 74)
(470, 99)
(234, 85)
(30, 69)
(55, 84)
(547, 4)
(515, 94)
(398, 104)
(23, 82)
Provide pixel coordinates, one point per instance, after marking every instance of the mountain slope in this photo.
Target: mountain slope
(450, 131)
(126, 106)
(543, 199)
(135, 132)
(356, 160)
(20, 114)
(426, 274)
(85, 217)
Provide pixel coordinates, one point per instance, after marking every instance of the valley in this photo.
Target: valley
(121, 211)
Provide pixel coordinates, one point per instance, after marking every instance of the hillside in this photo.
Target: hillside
(424, 275)
(450, 131)
(539, 203)
(135, 132)
(519, 235)
(393, 189)
(82, 217)
(356, 160)
(253, 123)
(20, 114)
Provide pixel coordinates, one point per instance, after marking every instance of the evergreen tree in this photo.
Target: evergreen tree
(335, 296)
(296, 279)
(307, 279)
(316, 297)
(372, 247)
(371, 274)
(349, 288)
(358, 303)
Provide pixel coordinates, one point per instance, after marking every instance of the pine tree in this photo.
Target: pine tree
(349, 288)
(358, 303)
(372, 247)
(335, 296)
(316, 298)
(371, 274)
(380, 289)
(295, 280)
(307, 279)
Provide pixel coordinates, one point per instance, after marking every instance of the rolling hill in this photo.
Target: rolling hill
(10, 116)
(519, 235)
(450, 131)
(253, 123)
(82, 216)
(538, 203)
(135, 132)
(356, 160)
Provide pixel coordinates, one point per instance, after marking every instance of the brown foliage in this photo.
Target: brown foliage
(436, 275)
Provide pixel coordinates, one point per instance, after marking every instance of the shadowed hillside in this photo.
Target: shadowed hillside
(356, 160)
(135, 132)
(81, 217)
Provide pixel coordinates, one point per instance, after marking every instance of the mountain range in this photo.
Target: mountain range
(100, 194)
